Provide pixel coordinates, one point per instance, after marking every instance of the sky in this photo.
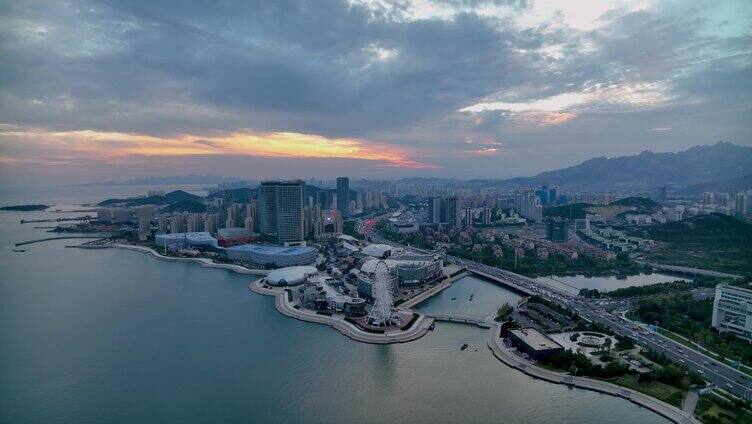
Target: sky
(113, 90)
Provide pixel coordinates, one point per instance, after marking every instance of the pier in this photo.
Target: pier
(56, 238)
(85, 218)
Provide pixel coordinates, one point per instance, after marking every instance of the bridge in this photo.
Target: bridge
(692, 271)
(520, 289)
(461, 319)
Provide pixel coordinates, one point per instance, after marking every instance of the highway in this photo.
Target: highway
(593, 310)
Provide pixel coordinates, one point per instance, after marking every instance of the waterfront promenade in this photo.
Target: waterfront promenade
(419, 328)
(507, 356)
(206, 263)
(427, 294)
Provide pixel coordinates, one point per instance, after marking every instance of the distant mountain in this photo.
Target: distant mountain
(167, 199)
(641, 204)
(185, 206)
(733, 185)
(172, 180)
(717, 162)
(234, 195)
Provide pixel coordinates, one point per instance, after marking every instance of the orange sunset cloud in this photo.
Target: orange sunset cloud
(116, 145)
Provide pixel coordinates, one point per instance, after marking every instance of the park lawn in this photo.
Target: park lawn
(711, 412)
(658, 390)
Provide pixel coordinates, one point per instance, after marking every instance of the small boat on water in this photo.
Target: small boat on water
(19, 250)
(463, 347)
(454, 298)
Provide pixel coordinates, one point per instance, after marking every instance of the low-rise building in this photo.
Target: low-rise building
(272, 256)
(534, 343)
(732, 310)
(184, 240)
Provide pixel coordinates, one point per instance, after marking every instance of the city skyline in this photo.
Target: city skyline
(416, 89)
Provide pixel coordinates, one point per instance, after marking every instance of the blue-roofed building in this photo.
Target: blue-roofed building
(273, 256)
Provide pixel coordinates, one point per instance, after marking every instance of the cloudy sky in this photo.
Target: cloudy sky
(388, 88)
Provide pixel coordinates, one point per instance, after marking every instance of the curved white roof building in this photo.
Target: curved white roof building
(290, 276)
(377, 250)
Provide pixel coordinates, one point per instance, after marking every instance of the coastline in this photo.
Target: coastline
(203, 262)
(667, 411)
(419, 328)
(416, 331)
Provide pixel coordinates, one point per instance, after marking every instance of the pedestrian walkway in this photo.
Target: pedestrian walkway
(419, 328)
(507, 355)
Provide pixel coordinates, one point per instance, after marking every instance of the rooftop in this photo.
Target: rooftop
(203, 235)
(274, 250)
(535, 339)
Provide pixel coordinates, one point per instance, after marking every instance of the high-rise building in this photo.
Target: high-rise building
(742, 204)
(485, 215)
(708, 198)
(343, 196)
(268, 207)
(195, 223)
(281, 212)
(434, 209)
(452, 212)
(468, 217)
(251, 212)
(732, 310)
(177, 223)
(162, 224)
(557, 230)
(144, 215)
(211, 223)
(724, 200)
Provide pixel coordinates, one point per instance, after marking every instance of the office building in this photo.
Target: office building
(732, 310)
(434, 209)
(343, 196)
(708, 198)
(268, 207)
(281, 210)
(452, 212)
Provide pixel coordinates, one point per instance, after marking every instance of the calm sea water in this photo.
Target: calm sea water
(487, 297)
(117, 336)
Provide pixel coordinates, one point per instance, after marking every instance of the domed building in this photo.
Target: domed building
(290, 276)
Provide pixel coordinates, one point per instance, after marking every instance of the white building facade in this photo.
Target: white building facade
(732, 310)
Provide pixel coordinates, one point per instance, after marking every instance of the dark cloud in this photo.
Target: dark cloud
(338, 69)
